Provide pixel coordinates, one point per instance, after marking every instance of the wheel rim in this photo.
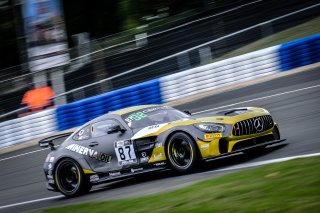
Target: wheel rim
(181, 154)
(68, 176)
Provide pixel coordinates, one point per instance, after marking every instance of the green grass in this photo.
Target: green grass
(292, 186)
(303, 30)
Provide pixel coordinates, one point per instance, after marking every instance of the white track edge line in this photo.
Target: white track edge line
(31, 201)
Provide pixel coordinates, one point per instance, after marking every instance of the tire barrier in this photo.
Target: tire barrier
(221, 73)
(27, 128)
(245, 67)
(78, 113)
(300, 52)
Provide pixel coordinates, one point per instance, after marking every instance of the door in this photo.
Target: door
(115, 150)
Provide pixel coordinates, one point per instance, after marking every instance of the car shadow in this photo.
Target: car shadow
(166, 174)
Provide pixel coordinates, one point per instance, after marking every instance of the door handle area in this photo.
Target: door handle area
(93, 144)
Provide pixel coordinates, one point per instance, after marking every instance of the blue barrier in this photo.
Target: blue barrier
(300, 52)
(79, 112)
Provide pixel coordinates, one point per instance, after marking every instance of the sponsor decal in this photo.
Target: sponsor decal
(112, 174)
(160, 164)
(49, 172)
(148, 130)
(136, 170)
(51, 159)
(153, 126)
(123, 143)
(90, 152)
(158, 144)
(144, 160)
(157, 156)
(128, 162)
(212, 136)
(143, 154)
(204, 146)
(49, 176)
(94, 178)
(50, 166)
(51, 181)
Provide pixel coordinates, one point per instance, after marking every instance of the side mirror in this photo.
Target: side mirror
(187, 112)
(114, 129)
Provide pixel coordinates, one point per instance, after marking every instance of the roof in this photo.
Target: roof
(131, 109)
(120, 112)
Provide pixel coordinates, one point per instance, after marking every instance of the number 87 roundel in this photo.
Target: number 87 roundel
(125, 152)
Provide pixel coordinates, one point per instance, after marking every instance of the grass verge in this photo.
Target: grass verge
(292, 186)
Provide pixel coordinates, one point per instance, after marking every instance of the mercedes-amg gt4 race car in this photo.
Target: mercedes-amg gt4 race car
(148, 138)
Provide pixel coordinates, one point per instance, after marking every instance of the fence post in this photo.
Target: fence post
(39, 78)
(183, 61)
(205, 55)
(266, 29)
(57, 81)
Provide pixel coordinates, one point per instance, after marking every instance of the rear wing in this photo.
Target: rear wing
(48, 142)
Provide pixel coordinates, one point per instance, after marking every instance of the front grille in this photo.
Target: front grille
(252, 142)
(253, 125)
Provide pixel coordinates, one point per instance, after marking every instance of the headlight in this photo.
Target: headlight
(210, 127)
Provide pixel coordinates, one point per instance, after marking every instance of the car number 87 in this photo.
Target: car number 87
(125, 153)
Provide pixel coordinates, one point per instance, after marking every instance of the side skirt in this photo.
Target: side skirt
(118, 175)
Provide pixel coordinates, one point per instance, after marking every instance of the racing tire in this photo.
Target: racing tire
(182, 152)
(70, 179)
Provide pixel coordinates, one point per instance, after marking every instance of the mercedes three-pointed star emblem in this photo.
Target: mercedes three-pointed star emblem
(258, 124)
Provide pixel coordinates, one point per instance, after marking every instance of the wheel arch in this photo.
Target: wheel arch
(276, 128)
(180, 131)
(81, 161)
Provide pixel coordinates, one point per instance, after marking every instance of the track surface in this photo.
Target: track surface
(298, 114)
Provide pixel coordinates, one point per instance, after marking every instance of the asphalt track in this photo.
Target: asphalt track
(293, 100)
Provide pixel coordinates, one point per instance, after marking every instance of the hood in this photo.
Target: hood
(229, 116)
(232, 116)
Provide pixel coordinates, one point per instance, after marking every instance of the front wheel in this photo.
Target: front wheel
(70, 178)
(182, 152)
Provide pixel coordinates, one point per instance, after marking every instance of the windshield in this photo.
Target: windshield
(152, 116)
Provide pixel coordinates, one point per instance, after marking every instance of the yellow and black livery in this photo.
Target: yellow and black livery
(148, 138)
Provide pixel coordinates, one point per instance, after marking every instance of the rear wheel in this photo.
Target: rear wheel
(70, 178)
(182, 152)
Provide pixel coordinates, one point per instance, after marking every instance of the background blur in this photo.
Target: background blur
(81, 48)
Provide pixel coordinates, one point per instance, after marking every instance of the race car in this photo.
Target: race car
(149, 138)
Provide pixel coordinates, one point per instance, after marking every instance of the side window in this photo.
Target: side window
(83, 134)
(101, 128)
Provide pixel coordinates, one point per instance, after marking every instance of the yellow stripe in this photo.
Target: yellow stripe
(87, 171)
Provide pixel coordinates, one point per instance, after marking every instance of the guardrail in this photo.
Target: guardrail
(271, 60)
(28, 127)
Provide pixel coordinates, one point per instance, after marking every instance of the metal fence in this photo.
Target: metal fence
(147, 56)
(209, 39)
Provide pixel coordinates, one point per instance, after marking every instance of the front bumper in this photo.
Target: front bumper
(245, 149)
